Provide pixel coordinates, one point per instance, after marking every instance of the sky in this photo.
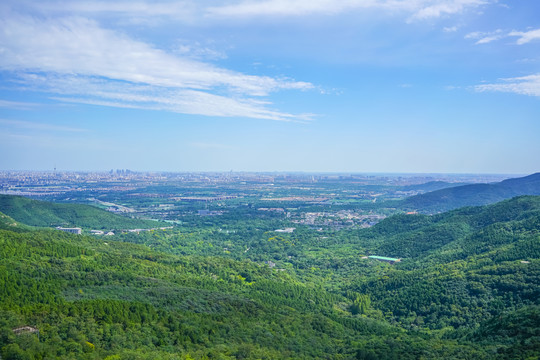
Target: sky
(352, 86)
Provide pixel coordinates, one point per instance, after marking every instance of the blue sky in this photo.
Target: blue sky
(449, 86)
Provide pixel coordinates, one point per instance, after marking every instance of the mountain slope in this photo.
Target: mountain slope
(459, 269)
(96, 300)
(8, 223)
(456, 234)
(46, 214)
(473, 194)
(432, 186)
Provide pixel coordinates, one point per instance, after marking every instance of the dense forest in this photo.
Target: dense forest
(230, 287)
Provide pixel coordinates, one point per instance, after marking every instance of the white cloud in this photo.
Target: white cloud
(450, 29)
(197, 51)
(281, 7)
(525, 85)
(527, 36)
(474, 35)
(485, 37)
(80, 46)
(193, 10)
(96, 91)
(488, 39)
(414, 9)
(75, 55)
(435, 9)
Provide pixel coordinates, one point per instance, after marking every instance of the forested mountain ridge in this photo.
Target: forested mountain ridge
(95, 300)
(468, 269)
(46, 214)
(417, 235)
(472, 194)
(466, 277)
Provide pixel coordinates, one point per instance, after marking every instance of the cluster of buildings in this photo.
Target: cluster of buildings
(289, 230)
(338, 219)
(78, 231)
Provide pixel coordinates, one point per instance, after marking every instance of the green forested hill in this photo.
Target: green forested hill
(462, 230)
(462, 270)
(473, 194)
(46, 214)
(95, 300)
(468, 286)
(8, 223)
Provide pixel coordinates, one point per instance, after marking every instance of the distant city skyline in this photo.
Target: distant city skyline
(363, 86)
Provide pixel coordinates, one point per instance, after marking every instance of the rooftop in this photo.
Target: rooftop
(383, 258)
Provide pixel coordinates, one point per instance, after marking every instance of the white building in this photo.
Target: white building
(77, 231)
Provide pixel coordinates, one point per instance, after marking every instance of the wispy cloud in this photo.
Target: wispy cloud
(73, 50)
(192, 10)
(81, 46)
(97, 91)
(488, 39)
(157, 8)
(197, 51)
(485, 37)
(18, 105)
(132, 11)
(435, 9)
(525, 85)
(8, 136)
(30, 125)
(414, 9)
(191, 102)
(450, 29)
(527, 36)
